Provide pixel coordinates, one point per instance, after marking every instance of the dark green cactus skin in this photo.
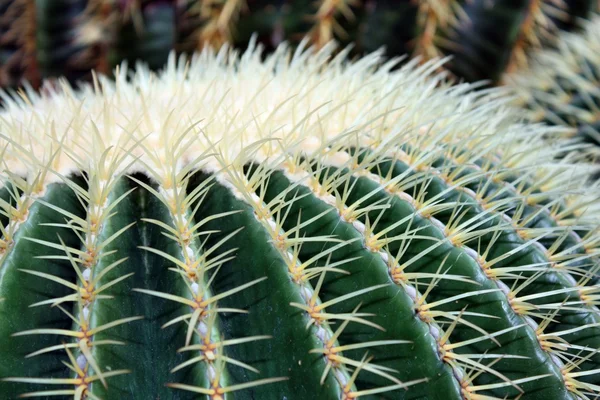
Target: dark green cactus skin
(482, 50)
(233, 278)
(274, 22)
(14, 306)
(150, 345)
(391, 305)
(519, 341)
(509, 241)
(268, 306)
(58, 50)
(288, 350)
(391, 24)
(156, 40)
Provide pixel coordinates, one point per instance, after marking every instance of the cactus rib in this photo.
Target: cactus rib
(302, 210)
(297, 226)
(15, 285)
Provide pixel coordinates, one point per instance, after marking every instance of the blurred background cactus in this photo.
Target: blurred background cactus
(42, 39)
(17, 43)
(562, 87)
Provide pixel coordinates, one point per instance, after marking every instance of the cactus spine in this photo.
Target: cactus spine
(295, 227)
(561, 87)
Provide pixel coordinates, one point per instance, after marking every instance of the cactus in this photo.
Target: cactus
(292, 226)
(561, 87)
(17, 43)
(486, 37)
(483, 50)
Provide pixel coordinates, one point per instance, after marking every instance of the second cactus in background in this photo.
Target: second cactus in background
(562, 87)
(484, 37)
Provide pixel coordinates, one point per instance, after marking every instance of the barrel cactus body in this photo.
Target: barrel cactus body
(292, 227)
(561, 87)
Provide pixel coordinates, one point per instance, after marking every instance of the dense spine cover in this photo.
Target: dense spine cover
(295, 226)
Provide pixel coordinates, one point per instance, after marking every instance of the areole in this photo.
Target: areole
(293, 226)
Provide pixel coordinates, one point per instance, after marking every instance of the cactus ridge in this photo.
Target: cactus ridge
(300, 226)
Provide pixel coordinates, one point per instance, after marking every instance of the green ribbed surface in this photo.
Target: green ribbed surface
(19, 290)
(392, 306)
(521, 341)
(148, 344)
(287, 353)
(268, 302)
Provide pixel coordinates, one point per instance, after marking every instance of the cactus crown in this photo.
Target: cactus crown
(301, 226)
